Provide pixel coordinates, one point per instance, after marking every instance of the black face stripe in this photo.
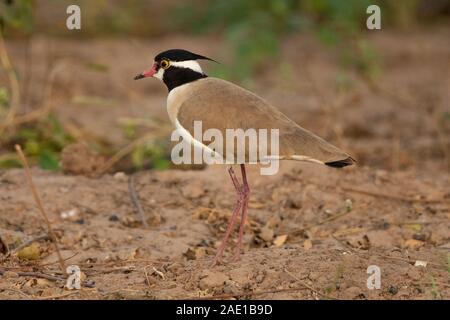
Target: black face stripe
(177, 76)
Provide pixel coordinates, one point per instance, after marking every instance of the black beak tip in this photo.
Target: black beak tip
(139, 76)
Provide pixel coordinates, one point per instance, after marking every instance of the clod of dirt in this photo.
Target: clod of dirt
(413, 244)
(273, 222)
(212, 279)
(130, 222)
(266, 234)
(393, 290)
(260, 277)
(307, 244)
(120, 176)
(380, 238)
(155, 220)
(43, 282)
(78, 159)
(414, 273)
(359, 242)
(354, 293)
(440, 234)
(280, 240)
(3, 246)
(193, 190)
(71, 215)
(32, 252)
(421, 236)
(113, 218)
(193, 254)
(421, 263)
(230, 288)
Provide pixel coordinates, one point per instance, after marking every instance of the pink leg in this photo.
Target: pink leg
(235, 180)
(245, 195)
(232, 221)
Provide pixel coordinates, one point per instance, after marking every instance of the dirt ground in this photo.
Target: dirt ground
(312, 231)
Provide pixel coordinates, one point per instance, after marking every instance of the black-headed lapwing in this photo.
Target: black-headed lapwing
(222, 105)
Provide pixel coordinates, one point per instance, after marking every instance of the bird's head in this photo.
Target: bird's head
(175, 67)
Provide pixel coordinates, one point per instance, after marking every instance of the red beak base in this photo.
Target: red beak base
(146, 74)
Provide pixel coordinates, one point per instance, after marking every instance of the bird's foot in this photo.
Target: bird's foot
(237, 255)
(217, 260)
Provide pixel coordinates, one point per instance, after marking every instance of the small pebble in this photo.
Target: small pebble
(121, 176)
(113, 218)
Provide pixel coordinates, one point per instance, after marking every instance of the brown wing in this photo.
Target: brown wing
(222, 105)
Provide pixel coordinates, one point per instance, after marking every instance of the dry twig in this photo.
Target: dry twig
(57, 296)
(338, 215)
(45, 276)
(248, 294)
(38, 201)
(43, 111)
(135, 199)
(27, 243)
(14, 82)
(57, 261)
(122, 153)
(410, 261)
(26, 296)
(393, 197)
(146, 275)
(307, 286)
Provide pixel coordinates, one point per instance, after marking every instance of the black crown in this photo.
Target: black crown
(180, 55)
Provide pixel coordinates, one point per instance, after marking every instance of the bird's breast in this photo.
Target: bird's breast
(175, 100)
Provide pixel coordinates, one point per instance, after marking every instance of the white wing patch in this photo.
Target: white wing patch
(305, 158)
(190, 139)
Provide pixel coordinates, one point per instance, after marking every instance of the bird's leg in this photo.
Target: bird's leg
(232, 220)
(235, 180)
(245, 198)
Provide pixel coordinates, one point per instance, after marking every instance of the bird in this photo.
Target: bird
(220, 104)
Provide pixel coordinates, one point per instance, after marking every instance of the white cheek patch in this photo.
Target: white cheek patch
(190, 64)
(159, 75)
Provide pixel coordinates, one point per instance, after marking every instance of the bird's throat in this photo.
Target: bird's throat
(177, 76)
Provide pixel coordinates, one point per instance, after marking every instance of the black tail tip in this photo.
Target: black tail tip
(341, 163)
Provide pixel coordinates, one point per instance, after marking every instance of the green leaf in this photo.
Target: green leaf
(32, 147)
(160, 163)
(17, 15)
(4, 97)
(138, 156)
(95, 66)
(48, 160)
(328, 36)
(9, 160)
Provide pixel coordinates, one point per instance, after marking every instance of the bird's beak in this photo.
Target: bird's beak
(146, 74)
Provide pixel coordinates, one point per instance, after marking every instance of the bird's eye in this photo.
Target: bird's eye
(165, 64)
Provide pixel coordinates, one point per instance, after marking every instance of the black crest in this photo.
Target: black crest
(180, 55)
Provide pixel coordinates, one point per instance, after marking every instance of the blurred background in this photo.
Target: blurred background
(68, 96)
